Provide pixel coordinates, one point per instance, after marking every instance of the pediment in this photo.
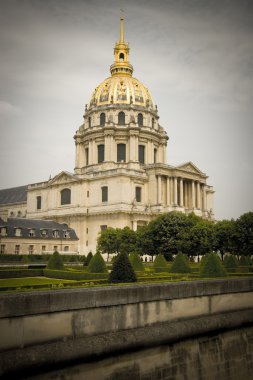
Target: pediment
(63, 177)
(190, 167)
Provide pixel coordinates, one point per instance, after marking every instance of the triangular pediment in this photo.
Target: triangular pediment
(62, 177)
(190, 167)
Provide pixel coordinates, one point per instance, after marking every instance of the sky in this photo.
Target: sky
(195, 56)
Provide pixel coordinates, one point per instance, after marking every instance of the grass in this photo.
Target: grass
(29, 281)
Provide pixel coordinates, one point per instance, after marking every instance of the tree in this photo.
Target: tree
(180, 264)
(168, 231)
(223, 236)
(122, 270)
(108, 241)
(97, 264)
(136, 262)
(230, 263)
(55, 261)
(160, 264)
(144, 242)
(211, 266)
(88, 259)
(126, 240)
(199, 239)
(243, 234)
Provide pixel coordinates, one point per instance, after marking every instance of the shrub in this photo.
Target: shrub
(180, 264)
(211, 266)
(122, 270)
(97, 264)
(136, 262)
(55, 261)
(230, 263)
(71, 275)
(160, 263)
(16, 273)
(245, 260)
(88, 259)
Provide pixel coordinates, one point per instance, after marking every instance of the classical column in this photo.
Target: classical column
(159, 189)
(77, 163)
(136, 148)
(135, 225)
(175, 191)
(198, 195)
(107, 147)
(204, 198)
(90, 152)
(94, 152)
(193, 194)
(181, 192)
(132, 148)
(168, 191)
(164, 153)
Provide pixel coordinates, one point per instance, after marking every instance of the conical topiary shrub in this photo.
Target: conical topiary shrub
(180, 264)
(230, 263)
(245, 260)
(160, 264)
(122, 270)
(136, 262)
(97, 264)
(55, 261)
(88, 259)
(212, 266)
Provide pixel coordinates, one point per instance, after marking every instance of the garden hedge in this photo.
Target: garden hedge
(71, 275)
(16, 273)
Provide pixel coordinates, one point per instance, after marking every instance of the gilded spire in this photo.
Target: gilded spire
(121, 64)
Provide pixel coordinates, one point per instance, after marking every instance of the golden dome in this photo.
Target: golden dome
(121, 90)
(121, 87)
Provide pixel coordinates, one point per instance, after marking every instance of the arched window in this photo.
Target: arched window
(102, 119)
(140, 119)
(141, 154)
(89, 122)
(121, 57)
(121, 118)
(153, 122)
(65, 197)
(101, 153)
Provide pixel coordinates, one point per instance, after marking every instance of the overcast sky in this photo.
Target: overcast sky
(195, 56)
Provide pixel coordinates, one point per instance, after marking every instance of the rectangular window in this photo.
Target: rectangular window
(121, 152)
(2, 248)
(55, 248)
(87, 230)
(17, 249)
(3, 231)
(87, 156)
(103, 227)
(66, 248)
(66, 234)
(88, 194)
(142, 154)
(155, 155)
(31, 233)
(55, 233)
(87, 243)
(104, 194)
(38, 203)
(101, 153)
(43, 248)
(18, 232)
(30, 249)
(138, 194)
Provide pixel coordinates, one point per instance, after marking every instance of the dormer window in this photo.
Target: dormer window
(66, 234)
(55, 233)
(3, 231)
(18, 232)
(31, 233)
(44, 233)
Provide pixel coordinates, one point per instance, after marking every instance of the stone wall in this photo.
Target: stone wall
(42, 328)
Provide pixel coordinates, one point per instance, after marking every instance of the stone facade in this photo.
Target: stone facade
(121, 177)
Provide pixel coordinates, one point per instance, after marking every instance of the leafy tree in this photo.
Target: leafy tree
(97, 264)
(160, 262)
(168, 230)
(127, 240)
(136, 262)
(211, 266)
(230, 263)
(144, 242)
(180, 264)
(55, 261)
(199, 239)
(122, 270)
(108, 241)
(88, 259)
(223, 236)
(243, 234)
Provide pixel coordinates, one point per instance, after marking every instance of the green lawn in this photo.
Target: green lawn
(29, 281)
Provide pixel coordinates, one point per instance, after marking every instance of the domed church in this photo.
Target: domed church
(121, 177)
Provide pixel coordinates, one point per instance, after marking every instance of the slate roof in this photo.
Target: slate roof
(38, 226)
(13, 195)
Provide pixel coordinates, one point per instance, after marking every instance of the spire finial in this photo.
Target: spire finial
(121, 29)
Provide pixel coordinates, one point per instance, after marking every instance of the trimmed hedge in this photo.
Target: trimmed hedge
(8, 257)
(180, 264)
(136, 262)
(211, 266)
(122, 270)
(55, 262)
(160, 262)
(230, 263)
(67, 275)
(15, 273)
(97, 264)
